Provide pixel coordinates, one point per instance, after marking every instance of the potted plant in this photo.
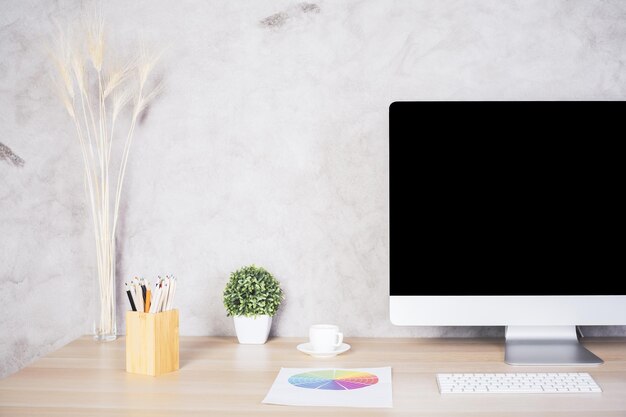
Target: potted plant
(252, 297)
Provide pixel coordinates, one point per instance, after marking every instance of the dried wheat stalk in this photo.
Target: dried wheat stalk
(94, 94)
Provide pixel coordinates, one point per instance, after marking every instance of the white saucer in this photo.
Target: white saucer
(308, 349)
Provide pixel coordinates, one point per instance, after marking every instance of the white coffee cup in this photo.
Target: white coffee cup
(325, 337)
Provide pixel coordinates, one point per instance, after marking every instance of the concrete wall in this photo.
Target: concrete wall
(268, 146)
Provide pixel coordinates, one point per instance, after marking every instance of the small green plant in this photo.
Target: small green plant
(252, 291)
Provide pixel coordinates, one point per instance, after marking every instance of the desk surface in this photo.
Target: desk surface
(222, 378)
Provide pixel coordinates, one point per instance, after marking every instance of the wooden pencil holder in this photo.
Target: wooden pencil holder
(152, 342)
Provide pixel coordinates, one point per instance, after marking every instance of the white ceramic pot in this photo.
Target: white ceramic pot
(252, 330)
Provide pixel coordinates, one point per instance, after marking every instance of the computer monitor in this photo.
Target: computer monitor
(509, 214)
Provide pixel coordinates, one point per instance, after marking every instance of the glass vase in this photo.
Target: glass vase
(104, 326)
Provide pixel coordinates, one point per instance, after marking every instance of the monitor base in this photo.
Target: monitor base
(546, 345)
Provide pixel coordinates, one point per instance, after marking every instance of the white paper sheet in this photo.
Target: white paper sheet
(332, 387)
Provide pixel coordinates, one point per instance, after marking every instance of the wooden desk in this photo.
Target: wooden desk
(219, 377)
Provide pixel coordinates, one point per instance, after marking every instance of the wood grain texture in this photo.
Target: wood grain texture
(219, 377)
(152, 342)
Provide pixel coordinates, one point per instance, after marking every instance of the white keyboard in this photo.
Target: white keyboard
(517, 383)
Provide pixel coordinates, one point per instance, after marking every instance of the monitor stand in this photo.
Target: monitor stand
(546, 345)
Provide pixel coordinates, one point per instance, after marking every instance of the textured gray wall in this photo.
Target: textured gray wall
(269, 146)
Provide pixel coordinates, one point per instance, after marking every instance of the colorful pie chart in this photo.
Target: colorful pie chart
(334, 380)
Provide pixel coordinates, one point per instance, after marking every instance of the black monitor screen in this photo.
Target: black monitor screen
(507, 198)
